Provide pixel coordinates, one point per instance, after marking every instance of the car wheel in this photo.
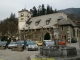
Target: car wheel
(37, 49)
(5, 47)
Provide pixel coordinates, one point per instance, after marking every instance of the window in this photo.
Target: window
(28, 23)
(73, 32)
(22, 18)
(22, 14)
(59, 18)
(62, 28)
(48, 21)
(37, 22)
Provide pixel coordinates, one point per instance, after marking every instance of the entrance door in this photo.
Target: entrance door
(47, 36)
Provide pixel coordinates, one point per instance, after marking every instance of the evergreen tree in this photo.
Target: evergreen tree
(40, 10)
(12, 17)
(55, 11)
(34, 11)
(43, 9)
(31, 11)
(38, 13)
(51, 10)
(48, 9)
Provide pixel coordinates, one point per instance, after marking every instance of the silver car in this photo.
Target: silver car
(12, 44)
(32, 46)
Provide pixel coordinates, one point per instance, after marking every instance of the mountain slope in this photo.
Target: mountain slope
(75, 11)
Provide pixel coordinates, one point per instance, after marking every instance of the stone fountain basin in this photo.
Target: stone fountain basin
(61, 52)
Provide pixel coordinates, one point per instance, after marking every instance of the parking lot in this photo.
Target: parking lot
(15, 55)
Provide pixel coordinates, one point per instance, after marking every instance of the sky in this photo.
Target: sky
(8, 6)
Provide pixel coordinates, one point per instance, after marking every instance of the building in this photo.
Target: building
(41, 27)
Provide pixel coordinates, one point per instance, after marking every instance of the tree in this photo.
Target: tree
(51, 10)
(38, 13)
(55, 11)
(43, 9)
(9, 25)
(40, 10)
(34, 11)
(48, 9)
(12, 17)
(31, 11)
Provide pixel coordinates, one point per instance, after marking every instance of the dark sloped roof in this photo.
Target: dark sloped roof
(54, 19)
(71, 22)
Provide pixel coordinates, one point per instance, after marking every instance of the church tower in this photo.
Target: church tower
(23, 16)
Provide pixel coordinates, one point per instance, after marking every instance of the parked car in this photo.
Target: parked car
(62, 42)
(4, 44)
(28, 42)
(48, 43)
(73, 40)
(39, 43)
(32, 46)
(20, 43)
(12, 44)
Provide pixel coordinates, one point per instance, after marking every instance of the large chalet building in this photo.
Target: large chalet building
(42, 27)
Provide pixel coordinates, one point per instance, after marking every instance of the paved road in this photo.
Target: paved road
(15, 55)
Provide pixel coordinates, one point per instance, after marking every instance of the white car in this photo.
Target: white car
(32, 46)
(12, 44)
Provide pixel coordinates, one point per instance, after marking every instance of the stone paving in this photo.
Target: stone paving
(15, 55)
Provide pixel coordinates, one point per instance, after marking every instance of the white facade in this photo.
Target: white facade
(23, 16)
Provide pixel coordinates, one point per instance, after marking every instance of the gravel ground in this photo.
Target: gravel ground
(16, 55)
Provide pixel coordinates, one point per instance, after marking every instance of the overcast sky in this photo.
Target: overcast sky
(8, 6)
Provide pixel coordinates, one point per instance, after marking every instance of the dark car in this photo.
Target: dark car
(20, 43)
(73, 40)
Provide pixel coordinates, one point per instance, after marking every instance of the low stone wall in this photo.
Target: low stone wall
(17, 48)
(62, 52)
(2, 47)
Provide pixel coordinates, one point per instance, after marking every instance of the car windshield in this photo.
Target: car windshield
(13, 43)
(33, 43)
(39, 42)
(20, 42)
(4, 42)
